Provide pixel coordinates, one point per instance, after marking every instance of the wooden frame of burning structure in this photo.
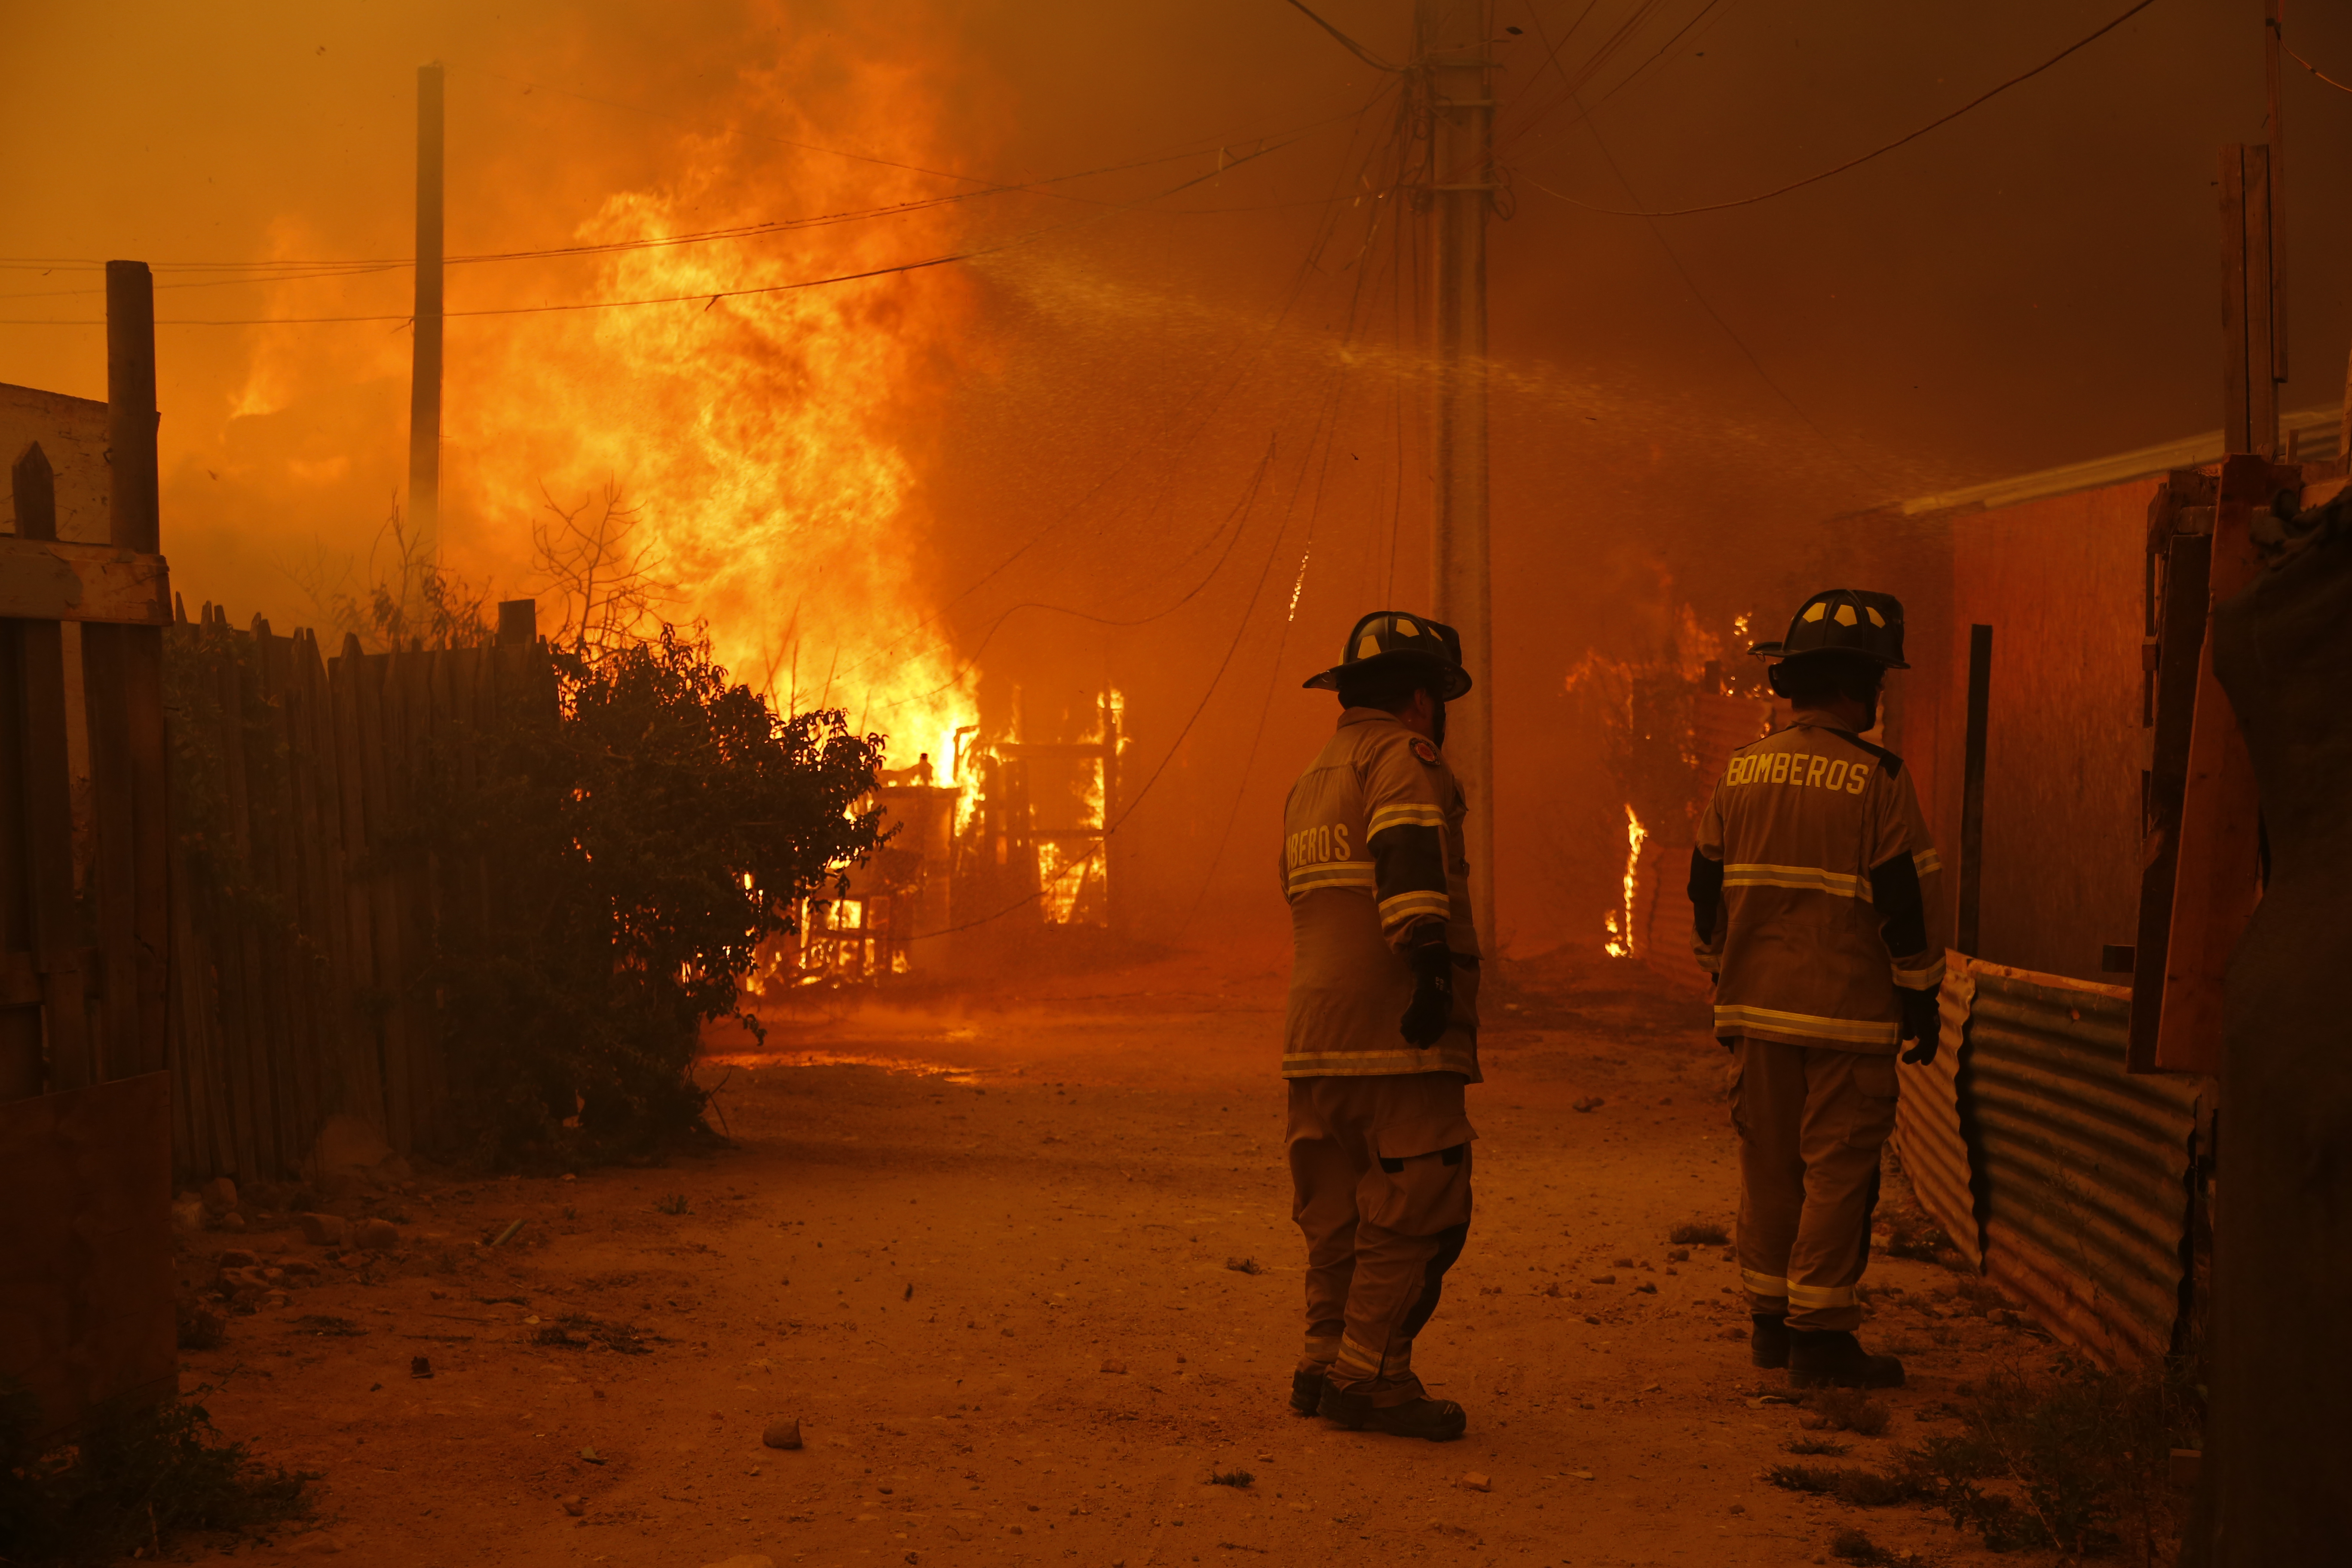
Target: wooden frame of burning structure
(986, 859)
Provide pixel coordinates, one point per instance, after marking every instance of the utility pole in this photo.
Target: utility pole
(1453, 75)
(2273, 17)
(424, 366)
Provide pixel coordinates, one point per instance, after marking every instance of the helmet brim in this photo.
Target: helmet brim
(1454, 679)
(1776, 653)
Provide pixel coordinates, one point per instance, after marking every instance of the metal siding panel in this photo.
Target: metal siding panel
(2083, 1167)
(1928, 1125)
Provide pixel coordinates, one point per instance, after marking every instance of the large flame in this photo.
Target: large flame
(764, 438)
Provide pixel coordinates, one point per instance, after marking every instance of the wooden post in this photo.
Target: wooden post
(2275, 203)
(2180, 643)
(48, 801)
(2215, 887)
(131, 510)
(2344, 423)
(425, 363)
(1972, 780)
(518, 623)
(2249, 382)
(22, 1071)
(123, 695)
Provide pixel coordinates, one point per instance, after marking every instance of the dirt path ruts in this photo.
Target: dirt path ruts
(931, 1272)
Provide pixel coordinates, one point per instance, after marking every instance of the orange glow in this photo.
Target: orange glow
(1621, 938)
(771, 446)
(769, 443)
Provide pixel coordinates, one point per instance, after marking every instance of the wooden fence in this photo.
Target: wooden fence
(85, 1235)
(307, 897)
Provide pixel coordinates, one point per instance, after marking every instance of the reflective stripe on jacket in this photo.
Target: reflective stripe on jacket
(1372, 846)
(1809, 826)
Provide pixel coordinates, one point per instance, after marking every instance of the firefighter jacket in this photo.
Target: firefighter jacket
(1372, 846)
(1815, 889)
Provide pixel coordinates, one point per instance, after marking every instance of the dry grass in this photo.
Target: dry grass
(133, 1479)
(1845, 1410)
(1699, 1233)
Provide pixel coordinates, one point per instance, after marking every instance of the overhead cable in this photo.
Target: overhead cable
(1352, 47)
(2315, 71)
(709, 297)
(1866, 157)
(299, 269)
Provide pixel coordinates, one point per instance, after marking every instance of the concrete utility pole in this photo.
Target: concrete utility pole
(1454, 74)
(425, 368)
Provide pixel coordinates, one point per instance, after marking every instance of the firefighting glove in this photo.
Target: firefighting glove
(1921, 1024)
(1433, 985)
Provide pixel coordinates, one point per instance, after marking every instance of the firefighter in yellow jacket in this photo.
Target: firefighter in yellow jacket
(1813, 889)
(1381, 1035)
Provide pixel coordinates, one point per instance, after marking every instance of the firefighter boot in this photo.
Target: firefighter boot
(1306, 1389)
(1768, 1340)
(1439, 1420)
(1829, 1358)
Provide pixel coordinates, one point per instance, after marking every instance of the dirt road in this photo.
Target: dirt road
(1024, 1310)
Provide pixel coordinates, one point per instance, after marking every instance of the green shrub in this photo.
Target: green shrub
(636, 852)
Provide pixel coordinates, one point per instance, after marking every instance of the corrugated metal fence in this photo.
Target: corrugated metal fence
(2068, 1180)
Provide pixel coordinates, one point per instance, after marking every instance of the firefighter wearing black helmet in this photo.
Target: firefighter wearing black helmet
(1380, 1037)
(1812, 889)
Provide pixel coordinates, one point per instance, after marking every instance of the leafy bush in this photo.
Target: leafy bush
(637, 850)
(137, 1477)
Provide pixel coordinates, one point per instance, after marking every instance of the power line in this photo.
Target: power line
(281, 271)
(1181, 149)
(1347, 43)
(1240, 352)
(712, 297)
(1689, 282)
(1866, 157)
(2315, 71)
(1328, 425)
(709, 297)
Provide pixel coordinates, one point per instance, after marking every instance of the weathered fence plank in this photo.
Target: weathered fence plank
(305, 908)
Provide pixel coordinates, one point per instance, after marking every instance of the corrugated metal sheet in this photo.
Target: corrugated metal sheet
(1927, 1124)
(2082, 1169)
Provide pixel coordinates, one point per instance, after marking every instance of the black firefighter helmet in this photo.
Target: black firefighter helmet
(1851, 621)
(1396, 639)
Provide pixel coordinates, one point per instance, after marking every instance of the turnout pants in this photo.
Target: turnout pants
(1379, 1172)
(1811, 1121)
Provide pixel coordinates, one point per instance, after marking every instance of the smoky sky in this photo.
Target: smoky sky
(1169, 433)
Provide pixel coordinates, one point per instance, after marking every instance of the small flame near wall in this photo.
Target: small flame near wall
(1621, 936)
